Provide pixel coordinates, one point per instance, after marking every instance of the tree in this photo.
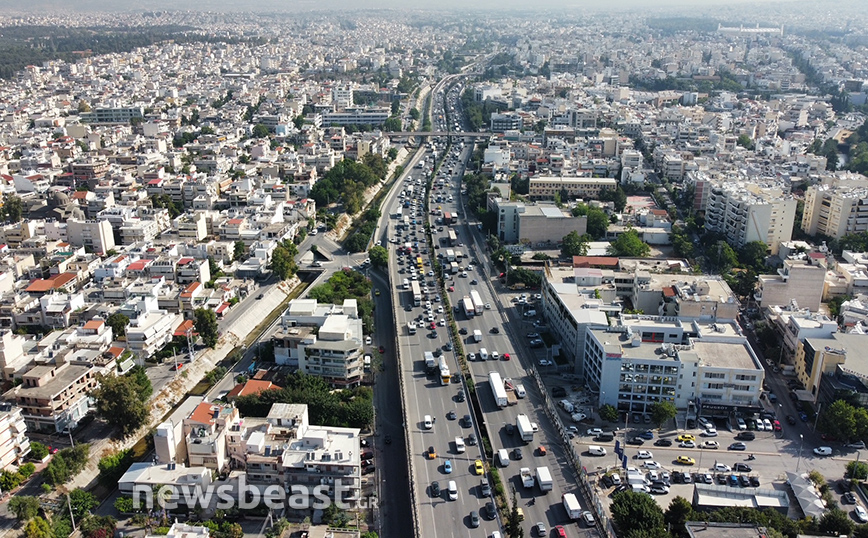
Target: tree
(745, 141)
(414, 113)
(238, 250)
(142, 381)
(574, 245)
(836, 522)
(629, 245)
(608, 413)
(678, 514)
(206, 325)
(118, 322)
(722, 256)
(839, 421)
(379, 256)
(260, 131)
(38, 528)
(636, 512)
(24, 507)
(513, 523)
(13, 208)
(857, 470)
(598, 222)
(38, 450)
(392, 124)
(283, 263)
(753, 255)
(81, 502)
(662, 412)
(617, 196)
(118, 403)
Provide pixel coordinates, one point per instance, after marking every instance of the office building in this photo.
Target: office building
(545, 188)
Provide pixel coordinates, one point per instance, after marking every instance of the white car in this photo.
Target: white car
(593, 432)
(710, 432)
(768, 425)
(710, 444)
(721, 468)
(367, 340)
(495, 355)
(442, 322)
(687, 444)
(860, 514)
(471, 356)
(588, 517)
(741, 424)
(651, 464)
(823, 451)
(644, 455)
(578, 417)
(545, 362)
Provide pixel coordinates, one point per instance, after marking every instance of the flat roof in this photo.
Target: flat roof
(63, 379)
(724, 354)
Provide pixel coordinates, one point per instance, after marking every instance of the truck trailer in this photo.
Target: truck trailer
(497, 389)
(572, 506)
(525, 430)
(544, 479)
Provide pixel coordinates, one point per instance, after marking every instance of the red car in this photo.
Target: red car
(433, 326)
(451, 288)
(777, 425)
(559, 532)
(382, 349)
(506, 356)
(52, 450)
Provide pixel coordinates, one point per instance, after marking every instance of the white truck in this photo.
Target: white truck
(526, 477)
(477, 335)
(469, 309)
(571, 503)
(430, 362)
(544, 479)
(497, 389)
(525, 430)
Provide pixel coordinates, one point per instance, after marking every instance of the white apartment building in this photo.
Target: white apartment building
(534, 224)
(150, 327)
(94, 234)
(836, 210)
(14, 444)
(793, 325)
(746, 212)
(545, 188)
(644, 361)
(801, 281)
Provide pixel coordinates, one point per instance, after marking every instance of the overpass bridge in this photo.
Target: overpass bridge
(437, 133)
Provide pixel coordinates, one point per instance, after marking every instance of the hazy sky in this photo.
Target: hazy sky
(692, 6)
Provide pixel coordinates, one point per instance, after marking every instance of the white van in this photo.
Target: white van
(595, 450)
(503, 457)
(453, 490)
(567, 406)
(520, 392)
(483, 354)
(530, 313)
(459, 445)
(427, 422)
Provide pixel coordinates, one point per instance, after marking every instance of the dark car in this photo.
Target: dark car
(559, 392)
(791, 420)
(451, 415)
(471, 439)
(754, 482)
(721, 479)
(647, 435)
(663, 442)
(462, 330)
(381, 349)
(484, 487)
(516, 454)
(606, 480)
(474, 519)
(494, 330)
(510, 429)
(491, 510)
(435, 489)
(366, 455)
(848, 498)
(635, 441)
(746, 436)
(447, 346)
(260, 296)
(468, 422)
(387, 439)
(461, 395)
(744, 480)
(741, 468)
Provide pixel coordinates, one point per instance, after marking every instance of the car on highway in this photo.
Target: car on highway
(540, 529)
(737, 446)
(823, 451)
(710, 432)
(435, 489)
(721, 468)
(588, 518)
(490, 510)
(431, 453)
(471, 356)
(478, 467)
(663, 442)
(447, 466)
(533, 335)
(860, 514)
(687, 444)
(685, 437)
(484, 488)
(685, 460)
(741, 467)
(494, 330)
(636, 441)
(652, 465)
(474, 519)
(450, 415)
(713, 445)
(559, 532)
(516, 453)
(644, 455)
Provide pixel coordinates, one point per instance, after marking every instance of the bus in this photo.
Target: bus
(445, 376)
(416, 293)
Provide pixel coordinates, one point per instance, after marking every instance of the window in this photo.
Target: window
(743, 377)
(714, 375)
(714, 386)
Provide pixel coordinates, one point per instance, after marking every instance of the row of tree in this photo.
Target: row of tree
(347, 181)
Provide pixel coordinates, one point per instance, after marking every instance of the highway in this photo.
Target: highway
(425, 395)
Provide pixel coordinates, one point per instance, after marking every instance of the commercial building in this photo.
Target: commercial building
(644, 360)
(801, 281)
(113, 115)
(746, 212)
(534, 224)
(545, 188)
(205, 433)
(500, 123)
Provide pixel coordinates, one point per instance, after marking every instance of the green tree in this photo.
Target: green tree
(37, 450)
(661, 412)
(260, 131)
(38, 528)
(24, 507)
(379, 256)
(745, 141)
(598, 222)
(679, 512)
(629, 245)
(836, 522)
(753, 255)
(608, 413)
(206, 325)
(142, 381)
(392, 124)
(857, 470)
(722, 256)
(238, 250)
(298, 121)
(636, 512)
(392, 154)
(81, 502)
(13, 208)
(113, 466)
(118, 322)
(513, 522)
(283, 263)
(119, 404)
(839, 421)
(617, 196)
(574, 245)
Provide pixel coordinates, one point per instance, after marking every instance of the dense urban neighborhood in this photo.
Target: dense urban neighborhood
(420, 273)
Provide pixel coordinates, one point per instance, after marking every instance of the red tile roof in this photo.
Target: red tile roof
(185, 326)
(595, 261)
(203, 413)
(94, 325)
(252, 387)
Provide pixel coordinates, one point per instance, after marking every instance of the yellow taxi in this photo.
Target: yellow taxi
(478, 467)
(685, 460)
(685, 437)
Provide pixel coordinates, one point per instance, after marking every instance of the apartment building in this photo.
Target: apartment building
(836, 210)
(113, 115)
(14, 444)
(545, 188)
(794, 324)
(205, 433)
(500, 123)
(54, 397)
(333, 352)
(150, 327)
(534, 224)
(801, 281)
(840, 356)
(749, 212)
(95, 235)
(640, 362)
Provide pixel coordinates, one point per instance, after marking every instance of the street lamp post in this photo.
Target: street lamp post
(817, 419)
(801, 444)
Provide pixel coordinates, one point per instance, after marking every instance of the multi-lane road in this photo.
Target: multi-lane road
(425, 395)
